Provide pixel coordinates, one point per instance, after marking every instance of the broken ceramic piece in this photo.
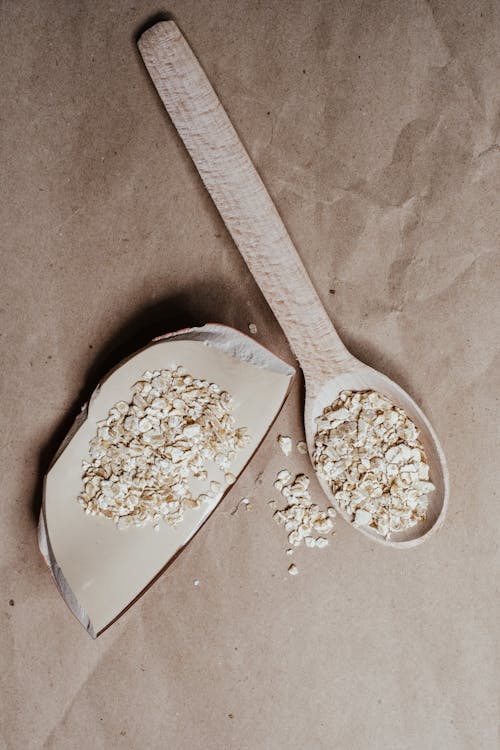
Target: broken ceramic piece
(99, 569)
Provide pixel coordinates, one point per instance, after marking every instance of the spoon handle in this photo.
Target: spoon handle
(240, 196)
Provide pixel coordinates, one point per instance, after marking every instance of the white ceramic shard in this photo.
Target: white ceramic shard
(99, 569)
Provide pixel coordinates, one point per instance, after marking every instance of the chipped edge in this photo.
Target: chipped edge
(60, 580)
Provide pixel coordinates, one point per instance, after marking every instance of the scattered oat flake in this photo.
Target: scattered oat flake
(283, 476)
(301, 447)
(252, 328)
(293, 569)
(196, 582)
(303, 520)
(285, 443)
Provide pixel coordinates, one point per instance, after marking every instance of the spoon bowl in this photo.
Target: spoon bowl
(356, 376)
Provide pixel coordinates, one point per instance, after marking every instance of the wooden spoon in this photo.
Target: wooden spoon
(261, 237)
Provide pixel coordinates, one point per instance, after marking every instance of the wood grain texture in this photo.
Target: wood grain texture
(261, 237)
(240, 195)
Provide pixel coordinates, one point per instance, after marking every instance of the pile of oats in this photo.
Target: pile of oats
(302, 519)
(369, 451)
(145, 451)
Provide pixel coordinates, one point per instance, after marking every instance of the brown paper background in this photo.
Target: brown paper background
(375, 126)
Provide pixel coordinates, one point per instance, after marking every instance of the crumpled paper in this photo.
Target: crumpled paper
(375, 127)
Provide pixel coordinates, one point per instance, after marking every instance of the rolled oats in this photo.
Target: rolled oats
(369, 451)
(145, 451)
(302, 518)
(285, 443)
